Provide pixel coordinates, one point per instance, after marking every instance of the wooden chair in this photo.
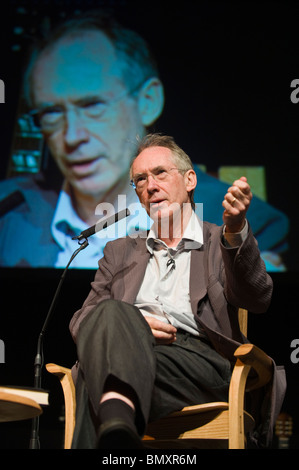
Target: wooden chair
(200, 425)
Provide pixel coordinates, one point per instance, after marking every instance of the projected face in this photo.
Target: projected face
(88, 116)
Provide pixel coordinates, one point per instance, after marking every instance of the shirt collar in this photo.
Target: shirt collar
(192, 238)
(66, 221)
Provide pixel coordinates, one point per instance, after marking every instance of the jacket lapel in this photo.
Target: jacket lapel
(198, 277)
(137, 260)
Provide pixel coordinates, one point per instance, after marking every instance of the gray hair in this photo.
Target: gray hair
(135, 56)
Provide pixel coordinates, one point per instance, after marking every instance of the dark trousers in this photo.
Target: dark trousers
(116, 341)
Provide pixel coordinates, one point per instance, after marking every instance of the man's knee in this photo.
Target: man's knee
(110, 311)
(115, 319)
(108, 305)
(115, 309)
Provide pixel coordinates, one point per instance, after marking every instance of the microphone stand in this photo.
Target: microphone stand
(38, 362)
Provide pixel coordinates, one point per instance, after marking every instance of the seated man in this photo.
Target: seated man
(160, 325)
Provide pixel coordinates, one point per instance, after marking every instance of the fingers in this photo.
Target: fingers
(236, 203)
(239, 193)
(165, 333)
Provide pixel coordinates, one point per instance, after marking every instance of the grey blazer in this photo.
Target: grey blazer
(221, 280)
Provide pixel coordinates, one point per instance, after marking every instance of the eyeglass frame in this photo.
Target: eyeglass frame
(134, 186)
(85, 102)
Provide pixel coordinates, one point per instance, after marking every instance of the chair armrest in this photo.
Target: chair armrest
(262, 364)
(253, 369)
(68, 387)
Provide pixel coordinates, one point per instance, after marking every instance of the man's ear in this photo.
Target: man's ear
(190, 179)
(151, 101)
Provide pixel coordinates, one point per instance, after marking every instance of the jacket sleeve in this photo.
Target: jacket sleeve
(247, 283)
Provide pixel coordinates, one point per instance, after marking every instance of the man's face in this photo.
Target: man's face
(92, 148)
(170, 191)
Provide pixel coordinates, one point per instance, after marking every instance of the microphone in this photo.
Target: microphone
(104, 223)
(10, 202)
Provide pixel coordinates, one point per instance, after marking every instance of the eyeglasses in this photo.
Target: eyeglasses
(159, 174)
(50, 118)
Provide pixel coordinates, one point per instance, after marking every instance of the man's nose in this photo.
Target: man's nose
(152, 184)
(75, 131)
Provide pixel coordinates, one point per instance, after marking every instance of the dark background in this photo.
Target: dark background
(227, 69)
